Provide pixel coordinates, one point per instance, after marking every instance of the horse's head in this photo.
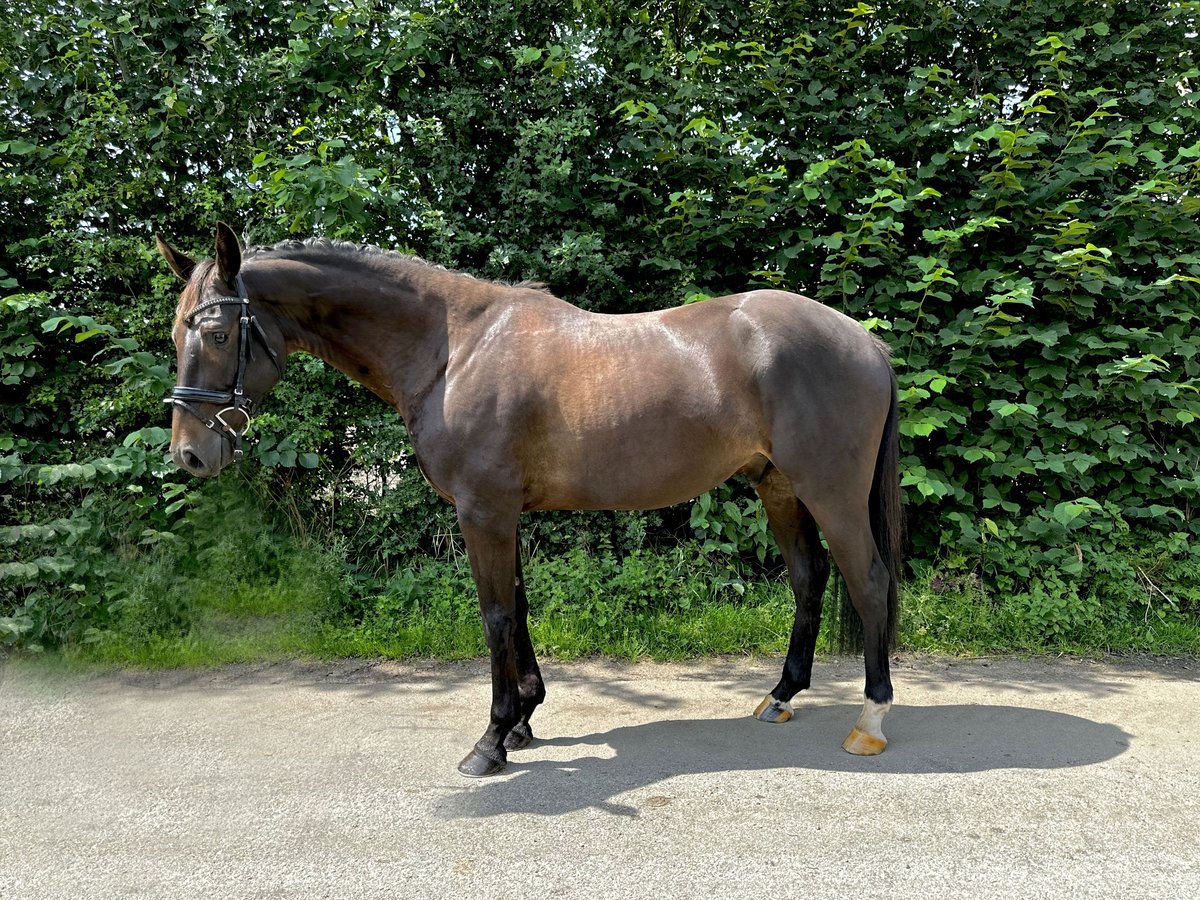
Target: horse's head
(228, 355)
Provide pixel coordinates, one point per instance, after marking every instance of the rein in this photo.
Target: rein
(235, 398)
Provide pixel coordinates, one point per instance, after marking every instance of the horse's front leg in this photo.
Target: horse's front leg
(530, 687)
(490, 537)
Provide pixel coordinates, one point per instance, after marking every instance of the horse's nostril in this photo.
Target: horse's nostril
(186, 458)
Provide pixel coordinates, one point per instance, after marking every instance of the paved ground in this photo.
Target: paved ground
(1003, 778)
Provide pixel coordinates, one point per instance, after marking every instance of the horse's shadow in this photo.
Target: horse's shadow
(952, 739)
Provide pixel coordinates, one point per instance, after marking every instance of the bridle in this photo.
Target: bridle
(235, 399)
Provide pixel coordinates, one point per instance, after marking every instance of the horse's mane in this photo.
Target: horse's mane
(329, 250)
(337, 250)
(323, 246)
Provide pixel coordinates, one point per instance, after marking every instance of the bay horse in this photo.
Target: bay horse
(516, 400)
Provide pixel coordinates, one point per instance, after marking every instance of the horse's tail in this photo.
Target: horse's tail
(886, 529)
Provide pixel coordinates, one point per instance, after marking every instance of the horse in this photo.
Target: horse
(516, 400)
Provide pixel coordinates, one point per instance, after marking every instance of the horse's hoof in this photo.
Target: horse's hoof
(866, 737)
(862, 744)
(772, 710)
(478, 765)
(519, 738)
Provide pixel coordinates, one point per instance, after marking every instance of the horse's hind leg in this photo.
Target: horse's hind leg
(808, 569)
(847, 530)
(530, 687)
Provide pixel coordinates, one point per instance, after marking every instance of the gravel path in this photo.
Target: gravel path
(1004, 778)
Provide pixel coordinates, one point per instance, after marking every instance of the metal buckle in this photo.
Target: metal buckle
(220, 417)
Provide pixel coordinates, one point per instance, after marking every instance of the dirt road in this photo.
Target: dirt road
(1004, 778)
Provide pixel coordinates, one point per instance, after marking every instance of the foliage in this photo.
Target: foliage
(257, 592)
(1137, 600)
(247, 591)
(732, 527)
(661, 605)
(1005, 192)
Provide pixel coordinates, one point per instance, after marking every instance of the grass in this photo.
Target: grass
(243, 620)
(959, 616)
(304, 604)
(435, 614)
(705, 631)
(258, 595)
(304, 610)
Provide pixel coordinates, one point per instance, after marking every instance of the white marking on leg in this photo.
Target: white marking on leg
(870, 720)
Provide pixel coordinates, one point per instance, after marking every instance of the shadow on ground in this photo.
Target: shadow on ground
(924, 740)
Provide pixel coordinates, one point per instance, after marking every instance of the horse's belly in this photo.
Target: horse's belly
(622, 470)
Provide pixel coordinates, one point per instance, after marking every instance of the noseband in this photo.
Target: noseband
(235, 399)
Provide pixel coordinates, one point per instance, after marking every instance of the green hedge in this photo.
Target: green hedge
(1005, 191)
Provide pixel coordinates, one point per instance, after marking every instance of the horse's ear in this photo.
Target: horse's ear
(229, 253)
(180, 263)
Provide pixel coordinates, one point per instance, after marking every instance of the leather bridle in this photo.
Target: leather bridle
(235, 399)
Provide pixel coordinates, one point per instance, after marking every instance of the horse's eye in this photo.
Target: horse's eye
(220, 337)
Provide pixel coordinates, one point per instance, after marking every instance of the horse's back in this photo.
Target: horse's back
(790, 346)
(648, 409)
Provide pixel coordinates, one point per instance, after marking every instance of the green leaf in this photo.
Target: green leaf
(17, 147)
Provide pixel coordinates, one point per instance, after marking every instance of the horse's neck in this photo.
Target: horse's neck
(387, 332)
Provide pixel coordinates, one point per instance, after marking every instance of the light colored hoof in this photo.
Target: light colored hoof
(772, 710)
(862, 744)
(866, 738)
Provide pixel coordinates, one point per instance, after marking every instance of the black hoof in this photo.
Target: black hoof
(477, 765)
(520, 737)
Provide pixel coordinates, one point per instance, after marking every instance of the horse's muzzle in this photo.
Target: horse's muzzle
(203, 465)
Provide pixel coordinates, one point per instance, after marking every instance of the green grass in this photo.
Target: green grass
(436, 615)
(703, 631)
(303, 604)
(251, 590)
(273, 598)
(959, 616)
(225, 621)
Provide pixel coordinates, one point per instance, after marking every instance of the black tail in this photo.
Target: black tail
(886, 528)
